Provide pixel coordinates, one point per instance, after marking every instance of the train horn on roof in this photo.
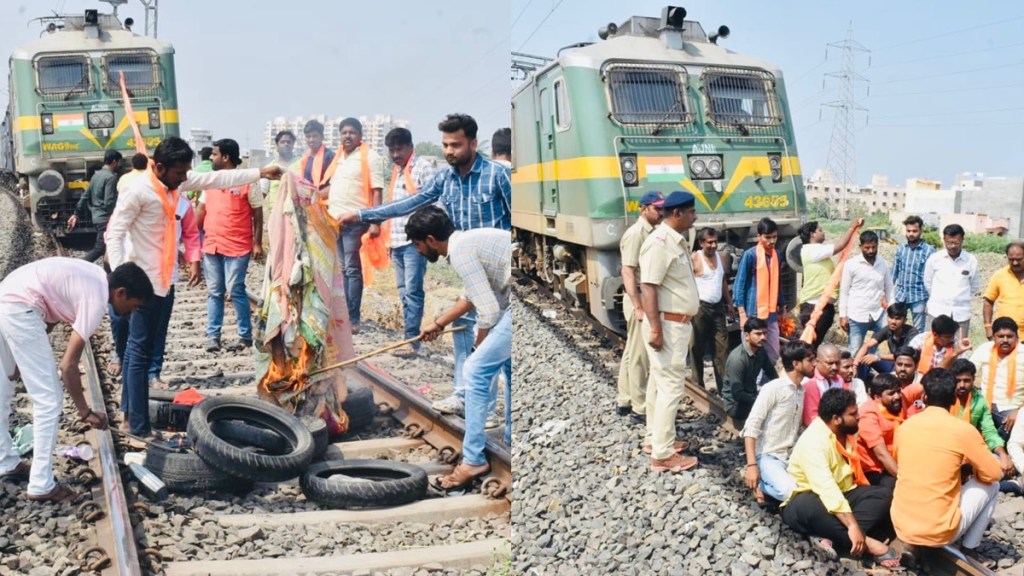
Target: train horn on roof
(605, 31)
(723, 32)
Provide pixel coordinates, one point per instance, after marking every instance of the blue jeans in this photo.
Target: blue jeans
(881, 367)
(119, 330)
(226, 272)
(349, 242)
(858, 330)
(410, 268)
(494, 355)
(775, 481)
(463, 344)
(143, 325)
(917, 314)
(160, 341)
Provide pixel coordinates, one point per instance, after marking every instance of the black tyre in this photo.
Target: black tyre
(230, 459)
(363, 483)
(186, 472)
(318, 428)
(360, 407)
(241, 435)
(792, 254)
(163, 395)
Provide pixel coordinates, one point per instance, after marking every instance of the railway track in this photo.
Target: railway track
(267, 528)
(603, 347)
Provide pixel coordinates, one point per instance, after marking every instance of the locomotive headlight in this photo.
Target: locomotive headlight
(154, 118)
(715, 168)
(101, 119)
(698, 166)
(630, 176)
(775, 163)
(47, 122)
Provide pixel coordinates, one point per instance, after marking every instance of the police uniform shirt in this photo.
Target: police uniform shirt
(629, 247)
(665, 261)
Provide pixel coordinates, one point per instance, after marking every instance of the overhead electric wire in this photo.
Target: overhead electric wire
(952, 73)
(931, 92)
(941, 56)
(548, 15)
(949, 33)
(954, 113)
(521, 12)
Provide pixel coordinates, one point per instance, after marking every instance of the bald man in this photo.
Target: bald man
(826, 376)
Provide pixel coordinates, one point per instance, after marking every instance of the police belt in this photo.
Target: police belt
(674, 317)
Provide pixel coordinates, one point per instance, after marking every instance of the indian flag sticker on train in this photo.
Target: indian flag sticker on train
(71, 122)
(665, 168)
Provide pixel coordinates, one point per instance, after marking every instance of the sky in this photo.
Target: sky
(242, 63)
(945, 89)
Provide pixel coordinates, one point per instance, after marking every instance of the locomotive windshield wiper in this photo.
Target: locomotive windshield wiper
(71, 92)
(743, 129)
(662, 123)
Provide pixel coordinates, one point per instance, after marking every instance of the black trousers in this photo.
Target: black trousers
(870, 506)
(881, 479)
(709, 333)
(828, 314)
(101, 245)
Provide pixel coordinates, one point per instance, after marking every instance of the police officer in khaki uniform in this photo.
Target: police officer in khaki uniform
(634, 366)
(670, 299)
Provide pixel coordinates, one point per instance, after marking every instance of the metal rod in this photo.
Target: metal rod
(377, 351)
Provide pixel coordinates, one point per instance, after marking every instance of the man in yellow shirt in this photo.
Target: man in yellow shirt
(930, 506)
(833, 503)
(1006, 289)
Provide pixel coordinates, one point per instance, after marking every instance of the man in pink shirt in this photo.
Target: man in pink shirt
(32, 299)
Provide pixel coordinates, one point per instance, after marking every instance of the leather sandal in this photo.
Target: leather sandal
(460, 477)
(19, 472)
(60, 493)
(678, 446)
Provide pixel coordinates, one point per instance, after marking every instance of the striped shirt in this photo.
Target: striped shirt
(480, 199)
(908, 272)
(423, 169)
(483, 260)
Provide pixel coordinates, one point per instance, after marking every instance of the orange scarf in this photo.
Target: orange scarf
(170, 245)
(928, 352)
(896, 420)
(318, 176)
(410, 186)
(858, 471)
(374, 251)
(1011, 373)
(767, 283)
(963, 411)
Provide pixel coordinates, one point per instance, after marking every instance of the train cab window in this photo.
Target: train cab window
(140, 71)
(563, 116)
(64, 75)
(545, 112)
(741, 97)
(648, 94)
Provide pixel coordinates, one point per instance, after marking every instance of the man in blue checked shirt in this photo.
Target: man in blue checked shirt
(908, 271)
(477, 193)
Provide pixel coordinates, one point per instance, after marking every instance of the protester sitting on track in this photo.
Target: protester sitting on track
(930, 505)
(481, 259)
(826, 376)
(746, 369)
(32, 299)
(774, 423)
(904, 368)
(671, 300)
(896, 333)
(848, 372)
(939, 346)
(833, 503)
(878, 419)
(1001, 372)
(1015, 448)
(970, 406)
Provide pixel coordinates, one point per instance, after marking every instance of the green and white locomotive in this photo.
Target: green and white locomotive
(655, 105)
(66, 109)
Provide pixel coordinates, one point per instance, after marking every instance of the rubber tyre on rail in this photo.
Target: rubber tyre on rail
(363, 483)
(186, 472)
(222, 455)
(360, 407)
(241, 434)
(321, 439)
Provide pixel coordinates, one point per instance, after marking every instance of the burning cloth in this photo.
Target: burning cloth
(303, 323)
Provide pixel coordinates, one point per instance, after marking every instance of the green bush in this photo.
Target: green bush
(974, 243)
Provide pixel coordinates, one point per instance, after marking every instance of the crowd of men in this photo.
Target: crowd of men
(855, 442)
(215, 211)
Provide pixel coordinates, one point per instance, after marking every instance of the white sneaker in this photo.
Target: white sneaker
(492, 421)
(451, 405)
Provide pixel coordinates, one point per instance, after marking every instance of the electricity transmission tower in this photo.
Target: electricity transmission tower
(842, 150)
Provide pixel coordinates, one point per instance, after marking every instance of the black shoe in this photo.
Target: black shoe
(212, 344)
(241, 344)
(639, 418)
(623, 410)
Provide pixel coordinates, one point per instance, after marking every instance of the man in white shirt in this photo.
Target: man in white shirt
(146, 212)
(951, 278)
(32, 299)
(357, 182)
(1000, 364)
(864, 289)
